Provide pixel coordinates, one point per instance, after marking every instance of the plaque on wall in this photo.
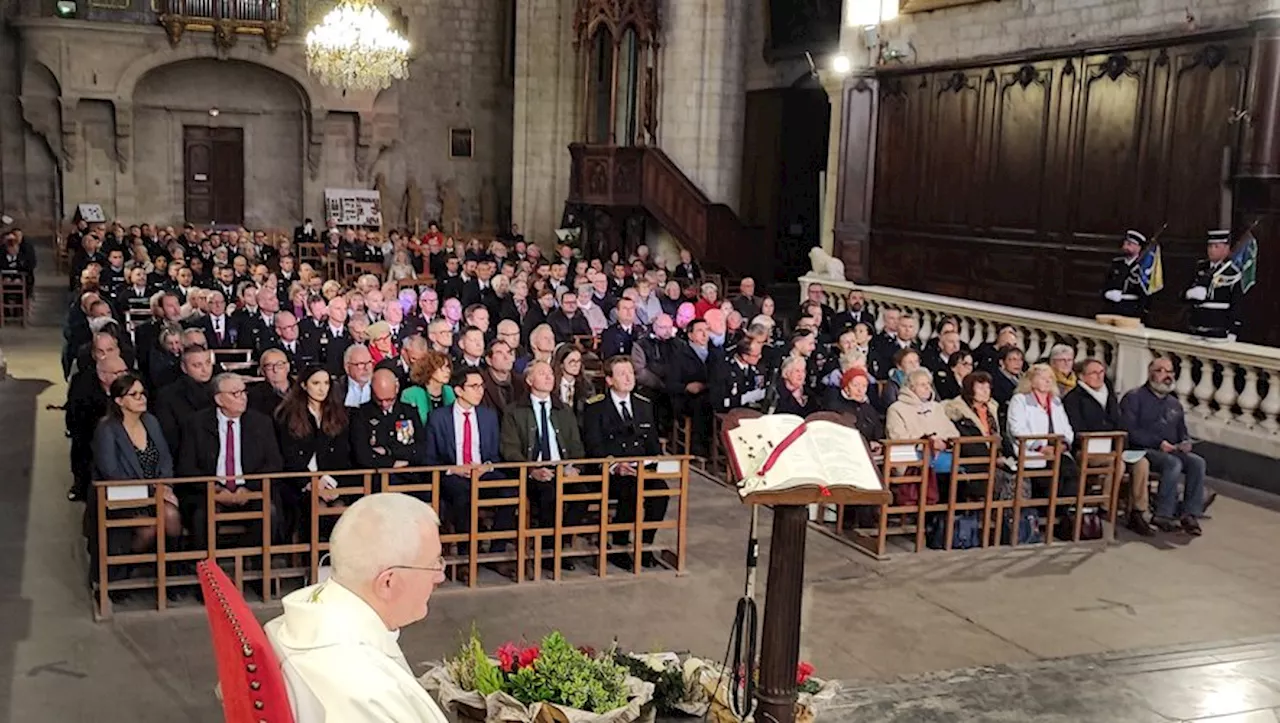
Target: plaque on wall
(353, 206)
(461, 143)
(90, 212)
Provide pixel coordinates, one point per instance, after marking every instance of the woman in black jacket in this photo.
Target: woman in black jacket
(852, 399)
(312, 425)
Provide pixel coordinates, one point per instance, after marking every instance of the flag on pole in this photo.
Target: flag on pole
(1245, 257)
(1151, 270)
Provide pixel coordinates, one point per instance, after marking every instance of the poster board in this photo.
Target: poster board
(353, 206)
(90, 212)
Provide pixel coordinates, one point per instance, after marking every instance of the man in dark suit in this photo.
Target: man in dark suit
(283, 336)
(688, 381)
(327, 344)
(266, 395)
(306, 233)
(464, 436)
(855, 312)
(540, 428)
(567, 321)
(183, 398)
(618, 338)
(412, 351)
(619, 423)
(1092, 407)
(227, 440)
(221, 330)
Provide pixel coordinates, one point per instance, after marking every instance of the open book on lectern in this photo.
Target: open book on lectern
(782, 455)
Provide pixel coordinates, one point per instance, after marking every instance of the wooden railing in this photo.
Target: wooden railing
(270, 562)
(645, 177)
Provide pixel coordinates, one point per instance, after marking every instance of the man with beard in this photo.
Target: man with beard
(1155, 421)
(855, 312)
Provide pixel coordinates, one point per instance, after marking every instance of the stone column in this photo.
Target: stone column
(545, 115)
(703, 92)
(833, 84)
(1261, 147)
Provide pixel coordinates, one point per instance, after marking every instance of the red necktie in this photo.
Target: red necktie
(231, 456)
(466, 438)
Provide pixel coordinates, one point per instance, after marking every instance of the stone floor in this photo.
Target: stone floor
(1027, 635)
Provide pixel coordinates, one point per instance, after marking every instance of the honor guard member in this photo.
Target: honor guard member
(620, 423)
(386, 433)
(1215, 291)
(744, 378)
(1123, 291)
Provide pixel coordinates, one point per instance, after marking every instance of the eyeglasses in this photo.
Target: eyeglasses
(273, 366)
(361, 364)
(236, 393)
(473, 385)
(437, 566)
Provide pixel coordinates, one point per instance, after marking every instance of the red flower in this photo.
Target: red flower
(528, 655)
(803, 671)
(588, 651)
(507, 655)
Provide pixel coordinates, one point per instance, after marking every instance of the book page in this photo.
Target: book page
(754, 439)
(843, 455)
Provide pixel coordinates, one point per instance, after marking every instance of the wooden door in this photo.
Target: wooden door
(213, 175)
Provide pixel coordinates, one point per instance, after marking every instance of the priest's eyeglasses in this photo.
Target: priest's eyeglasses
(437, 566)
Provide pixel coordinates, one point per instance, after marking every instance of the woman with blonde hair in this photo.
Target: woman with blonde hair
(1035, 411)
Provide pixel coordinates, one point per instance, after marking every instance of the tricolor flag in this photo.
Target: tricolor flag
(1151, 270)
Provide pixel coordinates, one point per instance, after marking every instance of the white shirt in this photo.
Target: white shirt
(335, 331)
(221, 469)
(537, 422)
(357, 394)
(619, 401)
(458, 423)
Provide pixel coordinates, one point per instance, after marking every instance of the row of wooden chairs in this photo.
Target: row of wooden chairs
(272, 564)
(15, 299)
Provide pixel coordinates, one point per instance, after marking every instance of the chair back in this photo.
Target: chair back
(253, 688)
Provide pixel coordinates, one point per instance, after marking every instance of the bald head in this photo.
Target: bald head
(385, 389)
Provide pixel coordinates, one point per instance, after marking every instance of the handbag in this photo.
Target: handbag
(1090, 525)
(908, 495)
(966, 532)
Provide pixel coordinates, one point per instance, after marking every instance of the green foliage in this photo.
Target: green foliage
(472, 667)
(566, 676)
(668, 683)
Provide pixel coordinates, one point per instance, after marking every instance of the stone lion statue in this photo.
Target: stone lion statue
(825, 265)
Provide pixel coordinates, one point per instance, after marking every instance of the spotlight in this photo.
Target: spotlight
(65, 8)
(840, 64)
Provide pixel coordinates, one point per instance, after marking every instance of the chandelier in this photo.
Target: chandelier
(356, 48)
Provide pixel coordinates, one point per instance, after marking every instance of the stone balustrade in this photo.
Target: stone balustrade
(1231, 391)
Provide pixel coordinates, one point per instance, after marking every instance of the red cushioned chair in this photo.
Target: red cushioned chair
(253, 688)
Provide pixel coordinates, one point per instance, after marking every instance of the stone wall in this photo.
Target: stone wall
(111, 114)
(547, 113)
(995, 28)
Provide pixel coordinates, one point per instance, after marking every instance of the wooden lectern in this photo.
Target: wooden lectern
(780, 639)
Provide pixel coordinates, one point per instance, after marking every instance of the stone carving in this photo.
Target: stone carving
(450, 207)
(384, 200)
(124, 136)
(488, 206)
(411, 204)
(824, 265)
(70, 133)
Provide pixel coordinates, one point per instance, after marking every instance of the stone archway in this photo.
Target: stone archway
(271, 107)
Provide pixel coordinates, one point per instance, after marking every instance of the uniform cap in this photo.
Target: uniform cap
(1134, 237)
(1220, 236)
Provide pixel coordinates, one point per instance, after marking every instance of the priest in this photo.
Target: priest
(338, 641)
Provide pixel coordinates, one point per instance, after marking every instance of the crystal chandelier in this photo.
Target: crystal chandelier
(356, 48)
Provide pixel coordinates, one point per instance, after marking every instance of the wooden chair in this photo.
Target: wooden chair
(15, 302)
(905, 462)
(1039, 458)
(977, 468)
(1101, 469)
(312, 253)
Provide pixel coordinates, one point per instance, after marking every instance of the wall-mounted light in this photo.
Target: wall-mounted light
(213, 112)
(65, 8)
(841, 65)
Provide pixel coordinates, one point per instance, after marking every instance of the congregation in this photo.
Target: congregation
(438, 351)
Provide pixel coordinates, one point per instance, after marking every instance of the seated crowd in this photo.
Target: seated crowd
(461, 355)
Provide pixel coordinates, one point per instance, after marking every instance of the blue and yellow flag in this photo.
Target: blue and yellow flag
(1151, 270)
(1245, 258)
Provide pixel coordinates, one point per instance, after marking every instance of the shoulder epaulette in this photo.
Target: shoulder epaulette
(641, 397)
(595, 399)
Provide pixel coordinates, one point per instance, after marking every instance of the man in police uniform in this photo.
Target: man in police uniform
(620, 423)
(1215, 291)
(386, 433)
(1123, 290)
(741, 381)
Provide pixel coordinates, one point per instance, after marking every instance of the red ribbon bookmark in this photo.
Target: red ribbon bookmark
(782, 447)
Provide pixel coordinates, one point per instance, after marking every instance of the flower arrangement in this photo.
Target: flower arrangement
(529, 682)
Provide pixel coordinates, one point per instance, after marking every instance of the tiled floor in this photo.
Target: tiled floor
(999, 621)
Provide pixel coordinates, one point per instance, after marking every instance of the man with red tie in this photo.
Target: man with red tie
(228, 440)
(463, 436)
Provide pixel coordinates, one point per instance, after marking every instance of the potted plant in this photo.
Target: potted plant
(550, 682)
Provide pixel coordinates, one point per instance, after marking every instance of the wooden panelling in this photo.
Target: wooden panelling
(1013, 181)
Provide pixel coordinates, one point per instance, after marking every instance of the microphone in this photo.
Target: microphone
(771, 393)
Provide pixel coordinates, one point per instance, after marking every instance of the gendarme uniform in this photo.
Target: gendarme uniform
(1123, 290)
(1215, 294)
